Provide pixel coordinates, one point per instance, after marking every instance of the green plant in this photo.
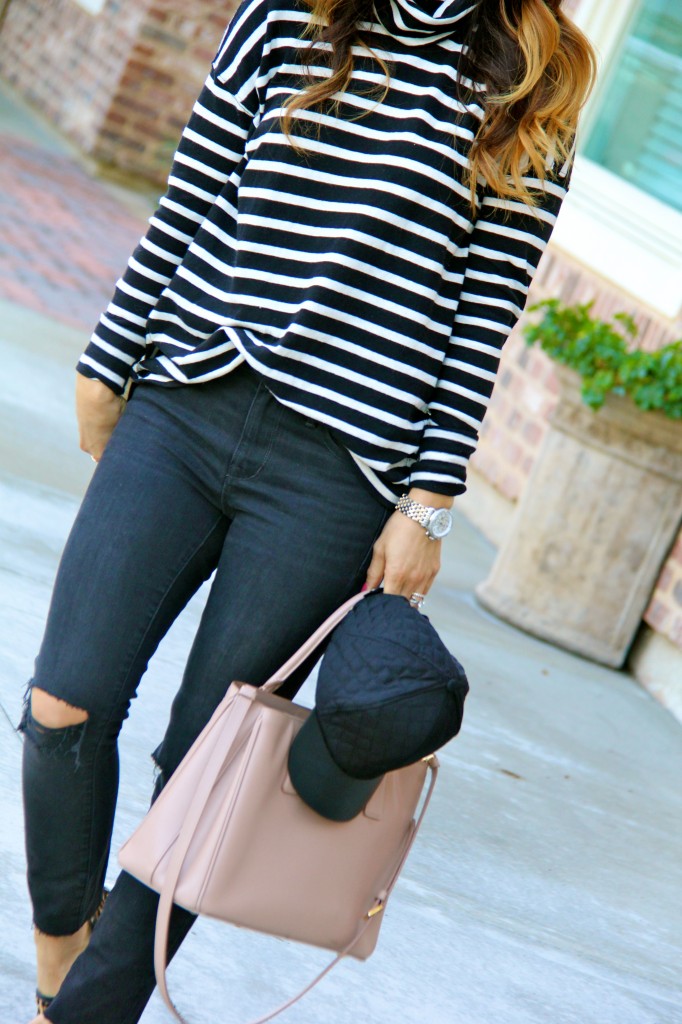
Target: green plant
(602, 353)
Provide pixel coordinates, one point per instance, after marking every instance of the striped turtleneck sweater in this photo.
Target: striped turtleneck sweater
(353, 276)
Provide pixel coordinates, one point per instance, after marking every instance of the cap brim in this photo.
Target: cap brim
(320, 782)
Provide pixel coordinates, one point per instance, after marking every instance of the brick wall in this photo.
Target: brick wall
(120, 84)
(168, 62)
(66, 61)
(526, 391)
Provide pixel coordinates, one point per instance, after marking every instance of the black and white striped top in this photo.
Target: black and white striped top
(353, 277)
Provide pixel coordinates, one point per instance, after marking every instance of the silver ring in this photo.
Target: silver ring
(417, 600)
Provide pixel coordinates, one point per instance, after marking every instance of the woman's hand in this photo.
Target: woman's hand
(404, 557)
(98, 410)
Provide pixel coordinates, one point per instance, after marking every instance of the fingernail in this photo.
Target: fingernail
(363, 588)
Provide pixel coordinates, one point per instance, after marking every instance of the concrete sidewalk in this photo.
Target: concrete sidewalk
(546, 885)
(545, 888)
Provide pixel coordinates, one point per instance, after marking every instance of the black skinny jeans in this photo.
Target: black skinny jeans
(214, 476)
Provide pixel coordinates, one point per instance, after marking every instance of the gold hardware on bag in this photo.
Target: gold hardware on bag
(375, 910)
(430, 759)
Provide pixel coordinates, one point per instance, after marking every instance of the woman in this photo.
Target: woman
(312, 327)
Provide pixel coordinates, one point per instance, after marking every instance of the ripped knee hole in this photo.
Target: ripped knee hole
(51, 712)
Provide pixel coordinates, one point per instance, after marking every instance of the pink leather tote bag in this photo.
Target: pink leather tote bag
(230, 838)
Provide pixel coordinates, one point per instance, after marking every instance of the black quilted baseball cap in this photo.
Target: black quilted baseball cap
(388, 693)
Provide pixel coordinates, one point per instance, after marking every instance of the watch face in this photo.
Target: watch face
(440, 523)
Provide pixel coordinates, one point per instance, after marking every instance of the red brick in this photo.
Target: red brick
(149, 128)
(510, 486)
(141, 50)
(664, 580)
(533, 433)
(115, 117)
(513, 452)
(205, 55)
(145, 71)
(537, 370)
(657, 615)
(551, 383)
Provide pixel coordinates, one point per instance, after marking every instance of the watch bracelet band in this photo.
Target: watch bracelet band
(414, 510)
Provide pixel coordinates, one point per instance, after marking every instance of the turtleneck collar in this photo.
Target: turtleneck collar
(417, 22)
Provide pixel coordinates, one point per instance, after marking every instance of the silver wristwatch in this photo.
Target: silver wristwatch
(436, 521)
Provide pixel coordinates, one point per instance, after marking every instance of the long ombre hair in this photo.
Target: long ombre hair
(537, 66)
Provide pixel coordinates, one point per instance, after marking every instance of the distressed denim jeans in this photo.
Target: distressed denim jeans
(221, 477)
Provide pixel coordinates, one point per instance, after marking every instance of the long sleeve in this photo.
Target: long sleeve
(211, 147)
(504, 251)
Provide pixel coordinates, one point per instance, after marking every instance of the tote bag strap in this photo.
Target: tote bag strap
(278, 677)
(243, 700)
(175, 867)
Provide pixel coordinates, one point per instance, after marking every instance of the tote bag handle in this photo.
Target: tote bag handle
(296, 659)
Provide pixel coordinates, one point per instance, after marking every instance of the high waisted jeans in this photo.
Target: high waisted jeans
(215, 476)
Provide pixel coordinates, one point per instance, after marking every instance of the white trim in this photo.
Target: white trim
(93, 6)
(608, 224)
(606, 23)
(629, 237)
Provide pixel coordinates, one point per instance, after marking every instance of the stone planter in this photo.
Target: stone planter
(598, 515)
